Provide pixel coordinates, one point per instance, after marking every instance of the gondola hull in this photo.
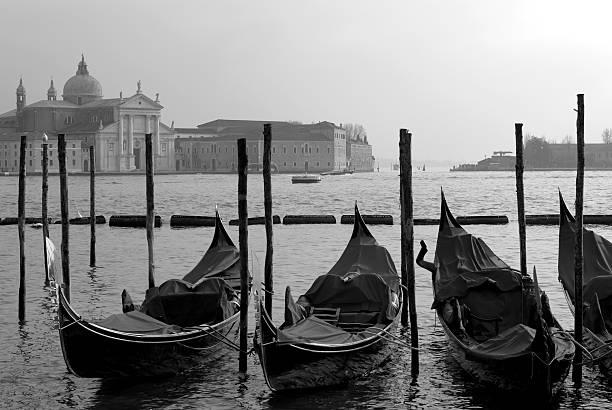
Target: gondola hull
(306, 366)
(525, 373)
(94, 351)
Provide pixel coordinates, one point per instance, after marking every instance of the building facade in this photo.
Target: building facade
(295, 147)
(359, 154)
(116, 127)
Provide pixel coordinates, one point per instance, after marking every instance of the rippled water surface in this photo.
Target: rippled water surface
(33, 373)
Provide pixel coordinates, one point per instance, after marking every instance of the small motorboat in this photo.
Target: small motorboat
(305, 179)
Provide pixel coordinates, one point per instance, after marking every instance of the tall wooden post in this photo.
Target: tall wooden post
(21, 228)
(267, 159)
(578, 262)
(520, 196)
(61, 155)
(92, 206)
(407, 239)
(45, 193)
(150, 206)
(244, 251)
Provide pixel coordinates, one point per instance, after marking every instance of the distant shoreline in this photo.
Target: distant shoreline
(142, 172)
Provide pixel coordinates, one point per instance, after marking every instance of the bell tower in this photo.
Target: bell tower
(21, 103)
(51, 92)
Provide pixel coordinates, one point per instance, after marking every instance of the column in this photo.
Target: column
(131, 135)
(156, 140)
(120, 135)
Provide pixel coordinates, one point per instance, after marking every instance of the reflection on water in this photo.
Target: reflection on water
(33, 370)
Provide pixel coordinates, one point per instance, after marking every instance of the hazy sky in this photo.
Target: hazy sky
(457, 74)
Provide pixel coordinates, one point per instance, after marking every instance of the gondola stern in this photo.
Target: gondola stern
(565, 216)
(446, 217)
(359, 226)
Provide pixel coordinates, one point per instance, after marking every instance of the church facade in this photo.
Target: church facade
(116, 127)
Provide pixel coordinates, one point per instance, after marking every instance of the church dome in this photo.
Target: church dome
(82, 88)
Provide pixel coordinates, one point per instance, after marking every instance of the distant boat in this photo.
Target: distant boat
(337, 172)
(37, 225)
(305, 179)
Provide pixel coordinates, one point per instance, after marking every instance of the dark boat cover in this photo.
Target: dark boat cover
(467, 269)
(597, 268)
(315, 330)
(221, 260)
(180, 303)
(361, 280)
(464, 262)
(137, 322)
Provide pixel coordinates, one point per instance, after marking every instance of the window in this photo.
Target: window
(30, 153)
(74, 152)
(302, 150)
(50, 145)
(274, 150)
(310, 150)
(294, 149)
(329, 164)
(328, 150)
(51, 162)
(294, 164)
(285, 163)
(30, 162)
(30, 146)
(317, 163)
(73, 163)
(317, 149)
(164, 147)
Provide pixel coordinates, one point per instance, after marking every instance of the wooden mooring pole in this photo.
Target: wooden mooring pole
(21, 228)
(578, 261)
(244, 251)
(61, 155)
(267, 159)
(407, 239)
(150, 207)
(45, 194)
(520, 196)
(92, 206)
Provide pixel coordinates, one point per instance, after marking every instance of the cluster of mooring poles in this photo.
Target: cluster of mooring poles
(61, 142)
(578, 261)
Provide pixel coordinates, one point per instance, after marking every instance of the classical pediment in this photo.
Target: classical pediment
(140, 102)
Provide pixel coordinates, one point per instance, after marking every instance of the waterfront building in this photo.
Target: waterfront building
(295, 147)
(115, 126)
(359, 155)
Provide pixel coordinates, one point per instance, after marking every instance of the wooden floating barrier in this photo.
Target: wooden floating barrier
(184, 221)
(368, 219)
(468, 220)
(256, 220)
(553, 219)
(84, 220)
(29, 220)
(308, 219)
(132, 221)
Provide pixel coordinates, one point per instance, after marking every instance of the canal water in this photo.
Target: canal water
(33, 373)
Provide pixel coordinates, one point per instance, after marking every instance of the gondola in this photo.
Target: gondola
(181, 324)
(596, 285)
(497, 330)
(342, 328)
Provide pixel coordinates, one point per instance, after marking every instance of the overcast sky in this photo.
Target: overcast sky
(458, 75)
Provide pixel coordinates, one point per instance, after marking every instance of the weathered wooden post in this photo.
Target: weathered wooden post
(520, 196)
(45, 193)
(407, 239)
(578, 262)
(61, 155)
(267, 159)
(92, 206)
(150, 206)
(21, 228)
(244, 251)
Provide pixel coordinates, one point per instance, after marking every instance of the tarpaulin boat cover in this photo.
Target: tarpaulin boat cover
(512, 342)
(221, 260)
(597, 263)
(467, 269)
(315, 330)
(465, 262)
(361, 280)
(180, 303)
(137, 322)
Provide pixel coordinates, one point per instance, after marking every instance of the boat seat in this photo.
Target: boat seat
(357, 321)
(482, 328)
(330, 315)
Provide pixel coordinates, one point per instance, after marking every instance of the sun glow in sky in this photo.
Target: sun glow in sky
(457, 74)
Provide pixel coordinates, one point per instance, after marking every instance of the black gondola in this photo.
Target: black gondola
(181, 324)
(596, 285)
(341, 328)
(489, 312)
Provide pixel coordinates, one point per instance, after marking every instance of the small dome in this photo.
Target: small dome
(82, 88)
